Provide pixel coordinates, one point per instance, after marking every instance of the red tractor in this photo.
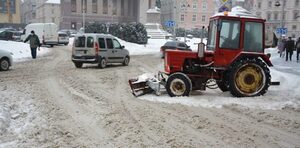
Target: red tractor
(233, 57)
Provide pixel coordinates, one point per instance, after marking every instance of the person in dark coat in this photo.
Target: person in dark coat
(297, 46)
(289, 48)
(34, 43)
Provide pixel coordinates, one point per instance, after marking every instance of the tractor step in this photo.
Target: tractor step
(275, 83)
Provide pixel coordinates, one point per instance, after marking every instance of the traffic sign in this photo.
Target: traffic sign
(170, 23)
(281, 30)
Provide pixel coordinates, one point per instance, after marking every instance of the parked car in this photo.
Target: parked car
(70, 32)
(6, 60)
(100, 49)
(6, 35)
(63, 38)
(174, 45)
(17, 36)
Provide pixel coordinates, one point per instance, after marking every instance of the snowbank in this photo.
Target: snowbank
(21, 51)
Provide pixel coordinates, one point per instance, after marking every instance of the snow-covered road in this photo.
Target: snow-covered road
(49, 103)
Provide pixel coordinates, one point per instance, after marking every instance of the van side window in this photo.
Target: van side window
(109, 43)
(80, 42)
(101, 43)
(117, 45)
(90, 42)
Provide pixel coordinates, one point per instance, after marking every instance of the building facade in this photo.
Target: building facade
(102, 11)
(48, 12)
(286, 15)
(10, 11)
(187, 14)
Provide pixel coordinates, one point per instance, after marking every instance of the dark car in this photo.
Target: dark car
(6, 35)
(174, 45)
(17, 36)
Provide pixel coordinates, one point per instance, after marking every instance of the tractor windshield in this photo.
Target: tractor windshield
(211, 42)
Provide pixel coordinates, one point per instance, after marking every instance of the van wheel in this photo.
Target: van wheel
(51, 45)
(126, 61)
(78, 64)
(4, 64)
(102, 63)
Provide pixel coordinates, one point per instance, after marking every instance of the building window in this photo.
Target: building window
(105, 6)
(122, 8)
(275, 16)
(114, 10)
(294, 27)
(73, 25)
(53, 20)
(297, 2)
(194, 17)
(269, 16)
(95, 6)
(73, 5)
(195, 6)
(204, 6)
(259, 5)
(270, 4)
(203, 18)
(182, 17)
(296, 15)
(52, 11)
(293, 35)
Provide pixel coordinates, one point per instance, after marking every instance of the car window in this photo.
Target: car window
(181, 45)
(80, 41)
(62, 35)
(117, 45)
(170, 44)
(109, 43)
(90, 42)
(101, 43)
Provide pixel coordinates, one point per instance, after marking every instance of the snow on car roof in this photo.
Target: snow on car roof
(237, 12)
(53, 1)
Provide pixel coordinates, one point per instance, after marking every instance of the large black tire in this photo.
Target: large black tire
(222, 85)
(102, 63)
(126, 61)
(78, 64)
(249, 77)
(4, 64)
(178, 84)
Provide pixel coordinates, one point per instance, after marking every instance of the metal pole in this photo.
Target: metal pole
(83, 15)
(174, 19)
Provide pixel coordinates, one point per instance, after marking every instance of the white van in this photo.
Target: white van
(47, 33)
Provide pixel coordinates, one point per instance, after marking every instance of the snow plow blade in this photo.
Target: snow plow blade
(145, 84)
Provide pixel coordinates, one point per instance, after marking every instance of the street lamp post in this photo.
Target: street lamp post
(277, 4)
(185, 6)
(83, 15)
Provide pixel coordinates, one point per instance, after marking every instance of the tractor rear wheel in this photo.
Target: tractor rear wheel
(249, 77)
(178, 84)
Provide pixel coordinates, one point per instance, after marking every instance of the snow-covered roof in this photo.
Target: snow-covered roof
(53, 1)
(153, 10)
(238, 12)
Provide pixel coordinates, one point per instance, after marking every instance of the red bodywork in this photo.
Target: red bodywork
(216, 61)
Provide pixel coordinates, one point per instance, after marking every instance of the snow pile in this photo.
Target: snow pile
(4, 118)
(21, 51)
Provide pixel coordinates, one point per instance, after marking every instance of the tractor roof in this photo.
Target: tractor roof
(237, 12)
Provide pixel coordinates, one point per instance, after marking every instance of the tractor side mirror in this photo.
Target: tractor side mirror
(201, 47)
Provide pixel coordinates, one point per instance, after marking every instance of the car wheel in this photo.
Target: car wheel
(51, 45)
(102, 63)
(126, 61)
(78, 64)
(4, 64)
(66, 44)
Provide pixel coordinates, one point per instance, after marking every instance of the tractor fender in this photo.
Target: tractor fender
(264, 57)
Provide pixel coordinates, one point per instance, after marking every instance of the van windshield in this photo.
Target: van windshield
(80, 41)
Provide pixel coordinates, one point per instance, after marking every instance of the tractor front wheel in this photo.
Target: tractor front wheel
(178, 84)
(249, 77)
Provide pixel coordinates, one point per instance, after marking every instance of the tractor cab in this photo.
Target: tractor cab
(234, 34)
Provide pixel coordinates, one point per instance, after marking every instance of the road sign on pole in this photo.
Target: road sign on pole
(281, 30)
(170, 23)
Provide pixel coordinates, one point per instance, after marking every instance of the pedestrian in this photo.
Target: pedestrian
(281, 47)
(34, 43)
(289, 48)
(297, 46)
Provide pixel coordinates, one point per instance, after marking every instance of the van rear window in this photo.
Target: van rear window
(80, 42)
(62, 35)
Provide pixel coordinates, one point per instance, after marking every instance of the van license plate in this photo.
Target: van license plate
(79, 52)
